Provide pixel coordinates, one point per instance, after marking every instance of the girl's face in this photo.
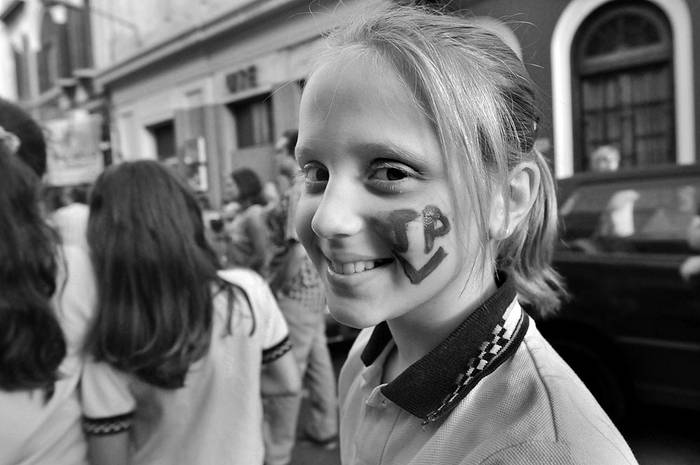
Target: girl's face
(376, 216)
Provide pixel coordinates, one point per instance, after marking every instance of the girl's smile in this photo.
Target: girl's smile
(355, 267)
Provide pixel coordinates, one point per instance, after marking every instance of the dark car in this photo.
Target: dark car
(632, 327)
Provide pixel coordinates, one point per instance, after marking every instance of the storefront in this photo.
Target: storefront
(217, 101)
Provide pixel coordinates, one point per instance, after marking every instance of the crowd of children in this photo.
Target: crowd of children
(423, 214)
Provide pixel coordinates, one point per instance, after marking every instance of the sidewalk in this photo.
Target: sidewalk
(306, 453)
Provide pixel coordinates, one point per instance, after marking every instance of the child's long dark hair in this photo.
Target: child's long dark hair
(250, 188)
(32, 344)
(32, 149)
(154, 270)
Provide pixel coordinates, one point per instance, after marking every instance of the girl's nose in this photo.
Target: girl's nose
(338, 213)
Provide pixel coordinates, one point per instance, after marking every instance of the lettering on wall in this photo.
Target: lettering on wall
(242, 79)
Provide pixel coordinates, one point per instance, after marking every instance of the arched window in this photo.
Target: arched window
(623, 85)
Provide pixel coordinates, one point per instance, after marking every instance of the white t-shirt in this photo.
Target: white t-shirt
(71, 223)
(36, 432)
(216, 418)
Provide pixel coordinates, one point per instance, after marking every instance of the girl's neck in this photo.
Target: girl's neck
(419, 331)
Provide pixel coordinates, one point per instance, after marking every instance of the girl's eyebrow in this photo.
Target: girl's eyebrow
(381, 150)
(370, 149)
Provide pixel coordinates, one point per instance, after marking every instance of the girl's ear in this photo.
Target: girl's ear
(507, 213)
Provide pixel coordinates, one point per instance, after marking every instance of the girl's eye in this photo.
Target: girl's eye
(315, 176)
(390, 177)
(390, 173)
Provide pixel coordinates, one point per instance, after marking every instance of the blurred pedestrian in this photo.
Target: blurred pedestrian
(300, 295)
(430, 217)
(286, 165)
(690, 268)
(46, 302)
(605, 158)
(179, 349)
(70, 220)
(250, 246)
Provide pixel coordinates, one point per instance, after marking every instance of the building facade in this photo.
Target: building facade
(211, 84)
(216, 95)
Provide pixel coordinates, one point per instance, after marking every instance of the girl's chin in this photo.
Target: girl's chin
(354, 317)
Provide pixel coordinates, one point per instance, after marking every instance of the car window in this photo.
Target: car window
(631, 216)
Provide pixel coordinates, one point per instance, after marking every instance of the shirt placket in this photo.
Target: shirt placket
(376, 427)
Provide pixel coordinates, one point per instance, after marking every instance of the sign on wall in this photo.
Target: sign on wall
(73, 149)
(242, 79)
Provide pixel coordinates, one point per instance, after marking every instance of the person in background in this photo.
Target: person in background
(70, 220)
(430, 218)
(270, 193)
(46, 303)
(300, 295)
(287, 169)
(249, 246)
(179, 351)
(213, 228)
(690, 268)
(605, 158)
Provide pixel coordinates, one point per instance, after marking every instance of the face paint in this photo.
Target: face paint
(416, 276)
(431, 217)
(395, 229)
(398, 220)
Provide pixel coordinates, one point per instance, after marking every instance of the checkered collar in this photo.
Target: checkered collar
(434, 385)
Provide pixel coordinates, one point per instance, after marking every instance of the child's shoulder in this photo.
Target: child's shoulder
(242, 277)
(542, 386)
(252, 289)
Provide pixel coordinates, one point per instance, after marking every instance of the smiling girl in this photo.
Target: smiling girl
(430, 217)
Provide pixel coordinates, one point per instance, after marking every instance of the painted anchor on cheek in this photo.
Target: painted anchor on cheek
(435, 224)
(432, 216)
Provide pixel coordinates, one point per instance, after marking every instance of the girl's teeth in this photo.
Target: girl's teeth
(353, 267)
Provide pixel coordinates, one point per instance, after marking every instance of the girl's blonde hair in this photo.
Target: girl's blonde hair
(479, 97)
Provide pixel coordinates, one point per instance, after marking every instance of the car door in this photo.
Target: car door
(622, 247)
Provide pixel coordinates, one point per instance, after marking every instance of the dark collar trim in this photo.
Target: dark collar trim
(491, 357)
(433, 385)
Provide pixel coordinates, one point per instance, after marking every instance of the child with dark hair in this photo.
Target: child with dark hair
(250, 188)
(46, 297)
(28, 266)
(249, 236)
(32, 149)
(179, 349)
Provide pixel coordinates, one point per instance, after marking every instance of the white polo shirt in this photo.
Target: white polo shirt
(493, 392)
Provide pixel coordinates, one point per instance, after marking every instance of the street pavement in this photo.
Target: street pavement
(306, 453)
